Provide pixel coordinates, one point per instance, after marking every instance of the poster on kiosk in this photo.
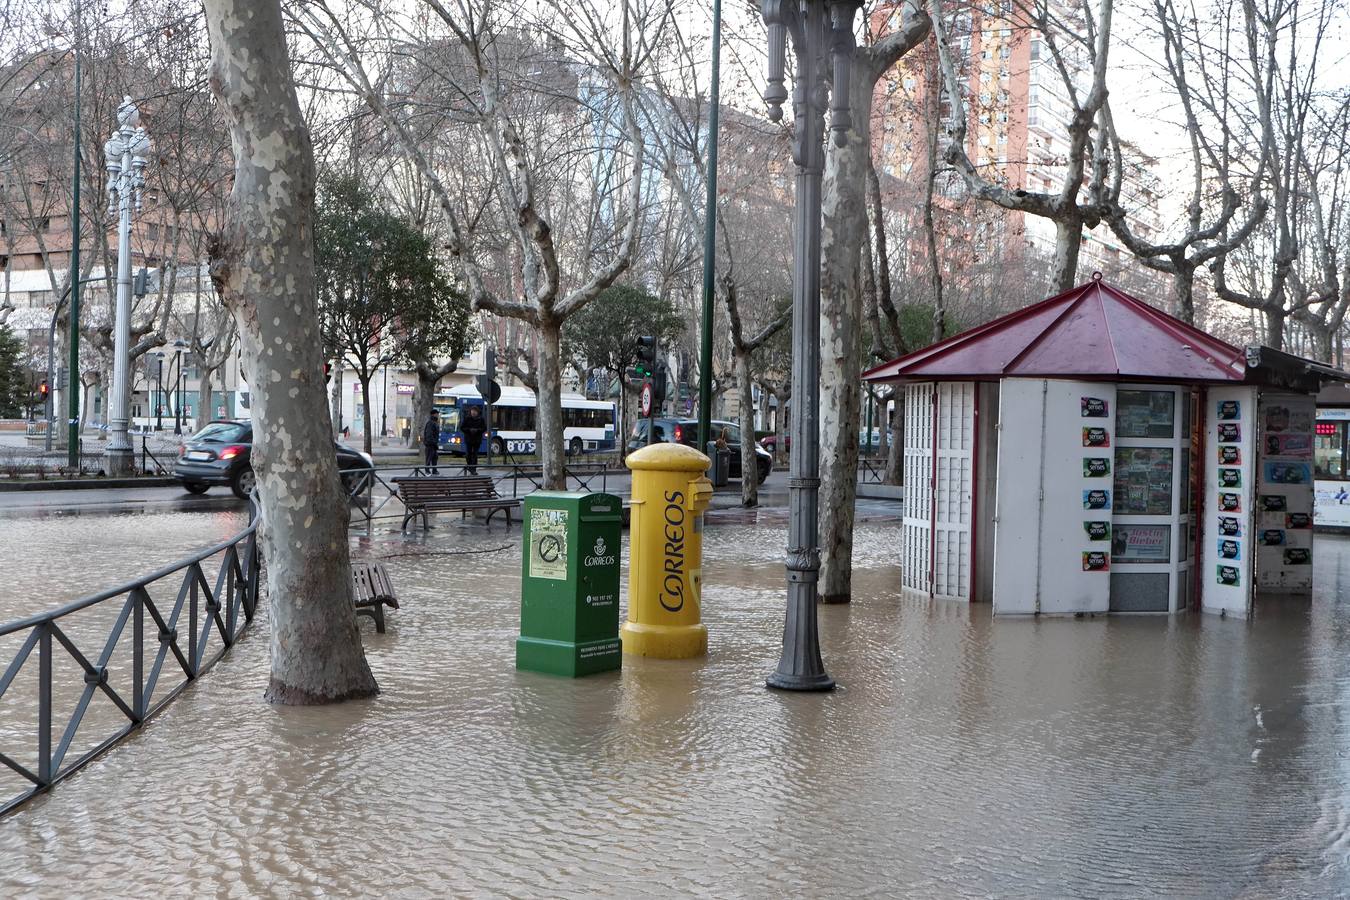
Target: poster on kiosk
(1227, 573)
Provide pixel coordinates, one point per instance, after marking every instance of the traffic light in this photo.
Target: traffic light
(659, 379)
(646, 356)
(44, 389)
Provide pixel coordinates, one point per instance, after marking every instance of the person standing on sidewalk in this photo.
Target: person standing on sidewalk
(473, 428)
(431, 439)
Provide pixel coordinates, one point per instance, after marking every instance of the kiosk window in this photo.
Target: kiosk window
(1145, 414)
(1329, 450)
(1143, 482)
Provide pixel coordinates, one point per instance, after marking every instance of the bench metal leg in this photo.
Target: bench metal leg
(379, 618)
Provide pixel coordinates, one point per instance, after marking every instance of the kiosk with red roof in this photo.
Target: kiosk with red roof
(1092, 454)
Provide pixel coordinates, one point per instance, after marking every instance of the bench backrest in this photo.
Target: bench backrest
(468, 487)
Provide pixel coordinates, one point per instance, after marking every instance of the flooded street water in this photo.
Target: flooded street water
(961, 756)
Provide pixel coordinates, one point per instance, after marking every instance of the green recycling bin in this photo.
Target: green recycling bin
(569, 586)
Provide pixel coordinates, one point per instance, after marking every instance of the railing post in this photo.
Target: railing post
(45, 704)
(192, 617)
(138, 657)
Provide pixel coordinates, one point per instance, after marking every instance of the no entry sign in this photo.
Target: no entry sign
(646, 398)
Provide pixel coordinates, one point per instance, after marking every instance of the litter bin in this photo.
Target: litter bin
(720, 470)
(569, 586)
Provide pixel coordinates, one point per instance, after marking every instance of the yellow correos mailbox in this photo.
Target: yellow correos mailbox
(665, 547)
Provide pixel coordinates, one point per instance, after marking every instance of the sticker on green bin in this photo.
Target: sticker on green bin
(548, 543)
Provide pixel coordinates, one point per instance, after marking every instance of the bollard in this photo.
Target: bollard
(665, 553)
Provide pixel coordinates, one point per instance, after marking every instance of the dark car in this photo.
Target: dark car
(685, 431)
(221, 454)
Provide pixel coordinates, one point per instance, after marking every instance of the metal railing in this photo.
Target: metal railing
(372, 489)
(871, 470)
(227, 607)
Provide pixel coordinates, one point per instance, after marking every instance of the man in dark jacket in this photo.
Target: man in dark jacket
(473, 428)
(431, 439)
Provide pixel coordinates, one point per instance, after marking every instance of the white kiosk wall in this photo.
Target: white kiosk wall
(1052, 526)
(1230, 423)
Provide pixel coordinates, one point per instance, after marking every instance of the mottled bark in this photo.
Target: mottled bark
(335, 401)
(549, 398)
(1068, 241)
(267, 277)
(843, 206)
(895, 454)
(749, 461)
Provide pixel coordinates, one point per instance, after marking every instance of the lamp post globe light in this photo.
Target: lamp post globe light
(822, 38)
(124, 155)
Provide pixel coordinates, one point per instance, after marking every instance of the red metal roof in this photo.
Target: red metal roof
(1093, 331)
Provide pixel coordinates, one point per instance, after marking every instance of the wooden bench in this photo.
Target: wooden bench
(431, 493)
(371, 590)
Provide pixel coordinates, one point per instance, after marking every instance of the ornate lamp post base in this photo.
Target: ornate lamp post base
(821, 33)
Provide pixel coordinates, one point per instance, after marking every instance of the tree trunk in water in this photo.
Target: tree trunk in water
(549, 400)
(267, 273)
(749, 461)
(1068, 240)
(1183, 295)
(843, 208)
(1275, 328)
(895, 458)
(365, 409)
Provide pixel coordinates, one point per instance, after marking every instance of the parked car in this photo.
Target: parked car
(222, 454)
(770, 441)
(685, 431)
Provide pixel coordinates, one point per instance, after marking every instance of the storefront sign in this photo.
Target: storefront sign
(405, 389)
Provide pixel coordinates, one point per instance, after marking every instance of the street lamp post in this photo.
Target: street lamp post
(822, 38)
(125, 159)
(159, 397)
(176, 388)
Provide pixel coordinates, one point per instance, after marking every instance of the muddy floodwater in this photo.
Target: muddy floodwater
(961, 756)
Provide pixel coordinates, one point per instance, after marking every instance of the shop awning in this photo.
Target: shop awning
(1091, 332)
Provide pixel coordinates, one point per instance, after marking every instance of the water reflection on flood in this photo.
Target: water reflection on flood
(961, 756)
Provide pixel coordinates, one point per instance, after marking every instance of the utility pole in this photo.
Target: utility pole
(73, 389)
(710, 239)
(124, 155)
(822, 37)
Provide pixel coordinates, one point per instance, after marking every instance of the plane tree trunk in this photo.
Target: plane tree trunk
(266, 274)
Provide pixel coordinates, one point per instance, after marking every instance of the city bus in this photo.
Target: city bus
(587, 424)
